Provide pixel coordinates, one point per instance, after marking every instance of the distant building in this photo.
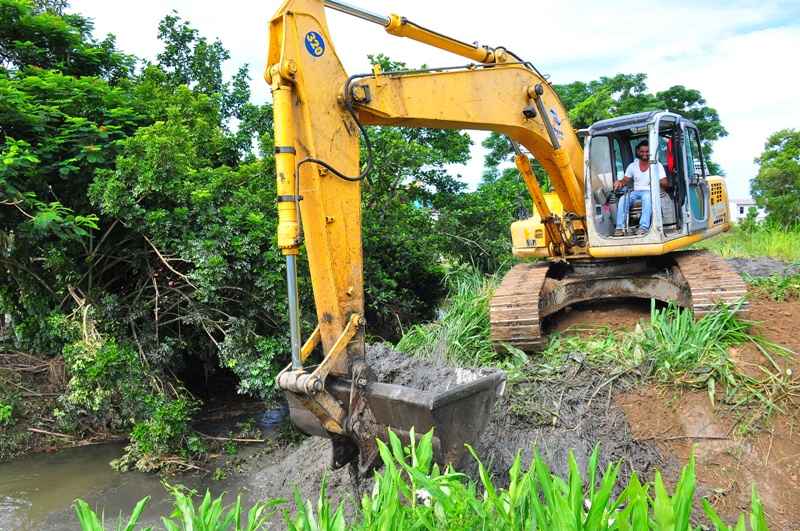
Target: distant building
(740, 207)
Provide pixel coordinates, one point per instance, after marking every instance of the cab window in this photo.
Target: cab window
(600, 168)
(693, 154)
(619, 163)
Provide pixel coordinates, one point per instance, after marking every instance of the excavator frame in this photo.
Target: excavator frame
(320, 114)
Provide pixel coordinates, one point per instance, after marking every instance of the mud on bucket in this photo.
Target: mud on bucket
(457, 414)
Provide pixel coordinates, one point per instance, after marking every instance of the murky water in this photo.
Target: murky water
(37, 491)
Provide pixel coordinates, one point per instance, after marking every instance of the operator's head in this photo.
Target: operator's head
(643, 150)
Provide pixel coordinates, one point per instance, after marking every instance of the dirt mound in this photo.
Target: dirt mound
(434, 375)
(727, 464)
(571, 408)
(763, 266)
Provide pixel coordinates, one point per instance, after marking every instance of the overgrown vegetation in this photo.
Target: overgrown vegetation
(461, 332)
(413, 492)
(756, 240)
(672, 348)
(776, 187)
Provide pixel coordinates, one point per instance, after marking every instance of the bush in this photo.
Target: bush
(461, 334)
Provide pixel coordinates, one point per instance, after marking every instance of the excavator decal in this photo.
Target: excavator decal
(315, 44)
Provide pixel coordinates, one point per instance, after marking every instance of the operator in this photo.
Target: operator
(638, 171)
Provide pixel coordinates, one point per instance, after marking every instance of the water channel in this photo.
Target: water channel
(37, 491)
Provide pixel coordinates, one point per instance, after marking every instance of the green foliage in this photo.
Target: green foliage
(212, 515)
(209, 515)
(46, 39)
(166, 428)
(776, 287)
(105, 383)
(90, 521)
(461, 334)
(761, 239)
(6, 413)
(776, 187)
(475, 226)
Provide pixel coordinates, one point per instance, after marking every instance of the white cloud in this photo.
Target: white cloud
(735, 53)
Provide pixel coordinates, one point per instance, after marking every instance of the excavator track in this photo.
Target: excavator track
(514, 309)
(696, 279)
(710, 281)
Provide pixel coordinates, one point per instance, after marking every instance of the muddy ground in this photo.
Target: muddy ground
(644, 426)
(568, 408)
(763, 266)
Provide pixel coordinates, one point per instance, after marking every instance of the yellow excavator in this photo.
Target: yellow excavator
(589, 232)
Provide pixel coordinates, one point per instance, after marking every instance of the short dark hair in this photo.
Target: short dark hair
(643, 143)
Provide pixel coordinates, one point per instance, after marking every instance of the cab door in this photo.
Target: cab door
(696, 184)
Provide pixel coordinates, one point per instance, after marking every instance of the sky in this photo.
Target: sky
(741, 55)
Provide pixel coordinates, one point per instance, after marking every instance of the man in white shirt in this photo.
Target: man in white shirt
(638, 173)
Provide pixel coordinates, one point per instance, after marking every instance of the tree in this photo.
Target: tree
(402, 249)
(776, 187)
(691, 104)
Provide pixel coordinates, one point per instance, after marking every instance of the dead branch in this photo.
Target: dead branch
(166, 263)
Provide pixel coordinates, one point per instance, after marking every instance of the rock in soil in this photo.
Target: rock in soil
(763, 266)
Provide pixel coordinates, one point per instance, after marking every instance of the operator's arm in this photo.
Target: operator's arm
(626, 178)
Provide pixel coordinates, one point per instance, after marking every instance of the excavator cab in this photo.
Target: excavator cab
(679, 184)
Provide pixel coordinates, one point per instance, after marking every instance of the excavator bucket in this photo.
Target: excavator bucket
(457, 415)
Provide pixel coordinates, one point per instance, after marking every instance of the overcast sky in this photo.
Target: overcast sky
(742, 56)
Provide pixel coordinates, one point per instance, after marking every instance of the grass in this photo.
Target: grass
(776, 287)
(412, 492)
(675, 349)
(761, 239)
(461, 335)
(209, 515)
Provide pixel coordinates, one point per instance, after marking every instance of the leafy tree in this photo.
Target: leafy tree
(408, 184)
(691, 104)
(776, 187)
(31, 37)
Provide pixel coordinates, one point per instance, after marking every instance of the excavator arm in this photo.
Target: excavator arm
(319, 116)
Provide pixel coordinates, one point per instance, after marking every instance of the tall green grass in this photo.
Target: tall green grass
(461, 334)
(413, 492)
(762, 239)
(209, 515)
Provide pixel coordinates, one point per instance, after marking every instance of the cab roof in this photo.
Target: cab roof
(629, 121)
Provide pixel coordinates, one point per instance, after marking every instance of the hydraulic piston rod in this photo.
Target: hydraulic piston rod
(402, 27)
(363, 14)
